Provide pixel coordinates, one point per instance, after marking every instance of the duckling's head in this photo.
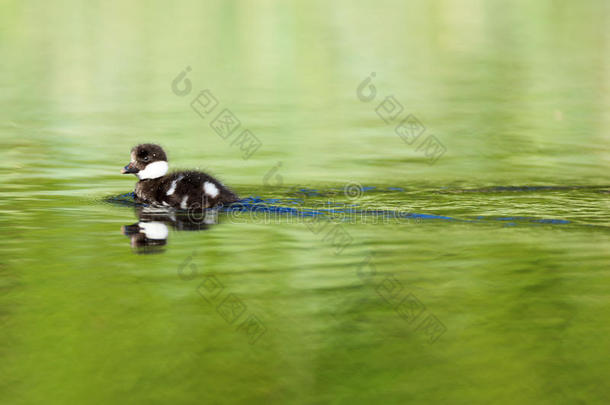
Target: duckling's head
(148, 161)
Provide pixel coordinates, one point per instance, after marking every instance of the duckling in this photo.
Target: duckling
(182, 190)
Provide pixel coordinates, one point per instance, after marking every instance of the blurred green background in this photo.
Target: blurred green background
(517, 93)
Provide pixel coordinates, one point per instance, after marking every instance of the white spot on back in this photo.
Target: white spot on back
(210, 189)
(153, 170)
(173, 186)
(183, 203)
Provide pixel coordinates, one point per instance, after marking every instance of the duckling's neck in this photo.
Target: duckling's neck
(146, 188)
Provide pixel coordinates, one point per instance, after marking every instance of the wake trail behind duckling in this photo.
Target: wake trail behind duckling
(355, 213)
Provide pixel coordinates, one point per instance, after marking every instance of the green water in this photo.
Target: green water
(476, 310)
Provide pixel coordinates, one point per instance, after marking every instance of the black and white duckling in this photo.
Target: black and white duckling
(184, 189)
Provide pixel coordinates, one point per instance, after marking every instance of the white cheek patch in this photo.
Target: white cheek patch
(153, 170)
(183, 203)
(173, 186)
(210, 189)
(154, 230)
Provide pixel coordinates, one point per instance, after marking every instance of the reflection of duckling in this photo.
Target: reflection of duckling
(193, 221)
(147, 234)
(152, 228)
(187, 189)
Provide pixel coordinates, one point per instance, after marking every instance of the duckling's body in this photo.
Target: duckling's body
(182, 190)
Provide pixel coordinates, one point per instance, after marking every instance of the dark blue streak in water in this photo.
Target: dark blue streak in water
(259, 205)
(270, 206)
(530, 219)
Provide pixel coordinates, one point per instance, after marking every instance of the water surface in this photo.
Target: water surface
(490, 286)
